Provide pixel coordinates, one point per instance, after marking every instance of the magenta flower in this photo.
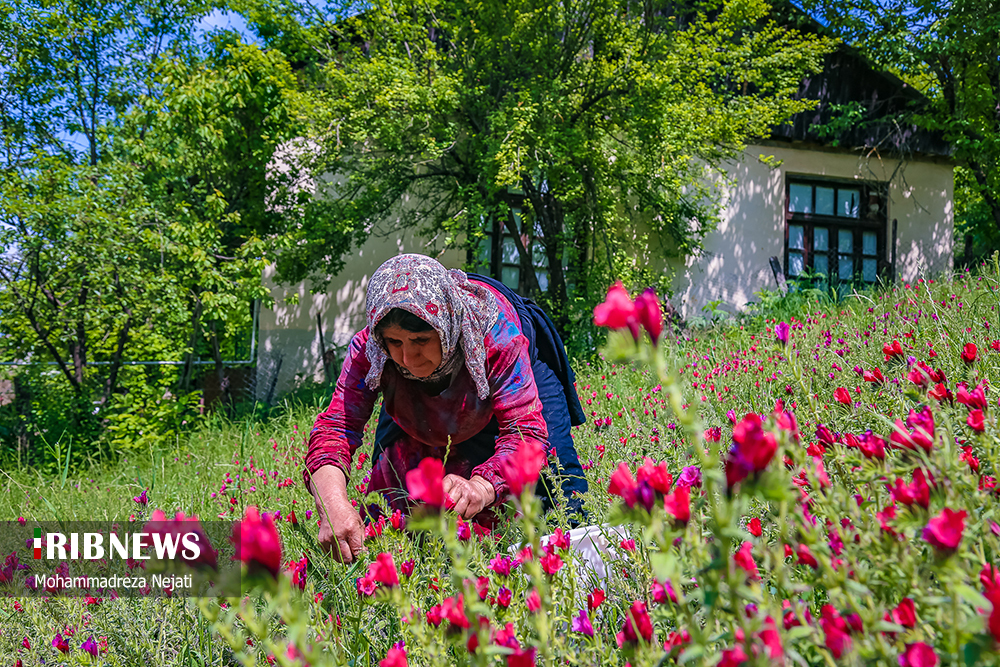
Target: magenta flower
(90, 646)
(60, 644)
(781, 332)
(944, 531)
(649, 314)
(582, 624)
(141, 498)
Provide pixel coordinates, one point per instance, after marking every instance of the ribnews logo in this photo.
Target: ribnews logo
(161, 556)
(187, 546)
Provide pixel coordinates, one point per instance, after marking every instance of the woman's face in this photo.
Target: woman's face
(419, 353)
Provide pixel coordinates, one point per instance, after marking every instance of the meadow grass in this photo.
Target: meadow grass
(223, 466)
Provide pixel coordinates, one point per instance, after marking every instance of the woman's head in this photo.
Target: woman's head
(457, 311)
(411, 342)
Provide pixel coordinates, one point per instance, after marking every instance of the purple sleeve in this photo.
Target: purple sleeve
(337, 432)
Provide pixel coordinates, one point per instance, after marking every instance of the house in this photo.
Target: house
(874, 202)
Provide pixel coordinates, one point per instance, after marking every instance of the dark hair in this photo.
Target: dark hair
(404, 319)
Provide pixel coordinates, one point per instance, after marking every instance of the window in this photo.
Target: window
(835, 230)
(498, 256)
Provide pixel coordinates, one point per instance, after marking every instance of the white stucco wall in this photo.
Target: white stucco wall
(735, 263)
(290, 332)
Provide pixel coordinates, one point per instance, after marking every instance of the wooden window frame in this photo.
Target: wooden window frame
(872, 217)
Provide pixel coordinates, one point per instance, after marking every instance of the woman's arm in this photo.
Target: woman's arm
(334, 439)
(337, 432)
(515, 401)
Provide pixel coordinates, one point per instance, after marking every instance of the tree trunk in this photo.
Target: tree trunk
(220, 372)
(78, 348)
(188, 372)
(549, 214)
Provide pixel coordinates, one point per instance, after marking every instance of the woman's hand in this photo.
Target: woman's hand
(471, 496)
(341, 531)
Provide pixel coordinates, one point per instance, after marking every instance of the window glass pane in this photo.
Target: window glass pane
(543, 280)
(794, 263)
(821, 239)
(845, 267)
(845, 241)
(821, 264)
(799, 198)
(508, 254)
(510, 276)
(824, 200)
(796, 235)
(847, 202)
(869, 270)
(869, 243)
(538, 256)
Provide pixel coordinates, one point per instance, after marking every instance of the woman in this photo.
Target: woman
(451, 356)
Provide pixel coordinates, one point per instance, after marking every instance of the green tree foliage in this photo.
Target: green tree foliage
(950, 51)
(601, 116)
(137, 205)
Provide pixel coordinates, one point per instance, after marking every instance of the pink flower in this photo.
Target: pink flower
(838, 641)
(974, 399)
(257, 542)
(918, 655)
(637, 625)
(806, 557)
(504, 597)
(905, 613)
(90, 646)
(522, 468)
(678, 504)
(771, 639)
(744, 559)
(297, 570)
(872, 446)
(622, 484)
(581, 623)
(781, 330)
(841, 395)
(649, 314)
(755, 528)
(595, 599)
(733, 657)
(662, 593)
(453, 609)
(752, 450)
(425, 483)
(944, 531)
(396, 657)
(975, 420)
(141, 499)
(617, 311)
(502, 565)
(60, 643)
(922, 435)
(655, 476)
(551, 563)
(969, 351)
(534, 600)
(383, 570)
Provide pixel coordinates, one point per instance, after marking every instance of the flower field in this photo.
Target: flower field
(819, 490)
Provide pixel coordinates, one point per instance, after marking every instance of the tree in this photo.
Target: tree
(599, 115)
(951, 53)
(136, 204)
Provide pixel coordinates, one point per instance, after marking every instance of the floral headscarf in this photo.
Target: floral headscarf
(460, 311)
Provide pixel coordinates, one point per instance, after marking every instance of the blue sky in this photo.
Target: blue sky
(224, 20)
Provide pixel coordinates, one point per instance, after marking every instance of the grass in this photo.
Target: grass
(735, 365)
